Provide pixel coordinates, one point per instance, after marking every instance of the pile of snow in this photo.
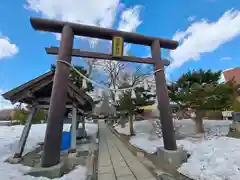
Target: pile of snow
(140, 127)
(91, 128)
(143, 138)
(211, 127)
(144, 142)
(147, 140)
(214, 159)
(213, 156)
(17, 171)
(9, 137)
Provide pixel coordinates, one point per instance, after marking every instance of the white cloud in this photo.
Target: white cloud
(4, 104)
(226, 58)
(7, 49)
(205, 37)
(91, 12)
(130, 19)
(191, 18)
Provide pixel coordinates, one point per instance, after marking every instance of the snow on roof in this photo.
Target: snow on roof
(222, 79)
(229, 69)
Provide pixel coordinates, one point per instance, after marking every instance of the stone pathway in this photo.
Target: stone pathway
(115, 161)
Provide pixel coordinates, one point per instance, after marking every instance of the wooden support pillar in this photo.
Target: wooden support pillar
(163, 99)
(74, 128)
(83, 121)
(52, 144)
(25, 133)
(78, 121)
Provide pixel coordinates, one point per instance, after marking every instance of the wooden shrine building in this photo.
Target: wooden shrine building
(37, 93)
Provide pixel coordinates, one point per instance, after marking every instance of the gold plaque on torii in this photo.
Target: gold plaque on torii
(117, 46)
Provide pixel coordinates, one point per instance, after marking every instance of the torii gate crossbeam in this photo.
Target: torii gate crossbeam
(51, 155)
(97, 55)
(101, 33)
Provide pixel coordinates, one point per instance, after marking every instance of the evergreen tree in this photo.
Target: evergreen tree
(76, 78)
(200, 91)
(129, 105)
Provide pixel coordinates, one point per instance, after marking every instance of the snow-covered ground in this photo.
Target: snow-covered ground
(9, 136)
(147, 140)
(215, 159)
(90, 127)
(213, 156)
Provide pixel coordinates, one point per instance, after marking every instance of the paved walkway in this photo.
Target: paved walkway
(115, 161)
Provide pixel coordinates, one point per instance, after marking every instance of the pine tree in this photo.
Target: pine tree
(131, 106)
(200, 91)
(76, 78)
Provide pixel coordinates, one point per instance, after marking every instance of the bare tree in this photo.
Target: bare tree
(112, 73)
(91, 63)
(103, 71)
(113, 70)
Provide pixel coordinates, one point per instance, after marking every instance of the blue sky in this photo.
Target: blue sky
(208, 38)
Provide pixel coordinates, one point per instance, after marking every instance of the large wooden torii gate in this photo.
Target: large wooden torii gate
(51, 155)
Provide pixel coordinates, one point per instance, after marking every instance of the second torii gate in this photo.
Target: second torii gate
(51, 155)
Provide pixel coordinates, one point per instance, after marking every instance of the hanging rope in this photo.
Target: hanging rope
(104, 87)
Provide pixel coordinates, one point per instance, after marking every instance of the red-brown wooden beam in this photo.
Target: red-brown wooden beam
(53, 136)
(101, 33)
(168, 133)
(86, 54)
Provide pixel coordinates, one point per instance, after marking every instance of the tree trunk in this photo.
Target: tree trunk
(122, 121)
(199, 122)
(131, 125)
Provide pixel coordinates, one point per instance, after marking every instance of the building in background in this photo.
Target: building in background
(233, 73)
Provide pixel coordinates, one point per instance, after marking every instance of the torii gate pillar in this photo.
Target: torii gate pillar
(163, 99)
(52, 143)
